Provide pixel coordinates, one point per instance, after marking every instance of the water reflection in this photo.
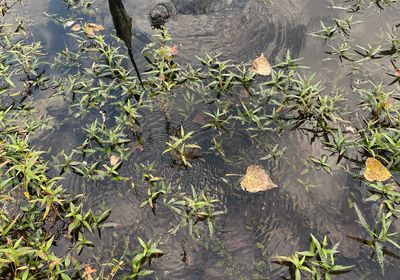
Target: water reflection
(123, 26)
(253, 224)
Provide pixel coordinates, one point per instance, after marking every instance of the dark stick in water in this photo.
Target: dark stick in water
(123, 26)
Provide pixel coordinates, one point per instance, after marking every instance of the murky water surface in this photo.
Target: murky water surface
(256, 227)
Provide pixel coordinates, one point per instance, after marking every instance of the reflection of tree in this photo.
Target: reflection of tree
(123, 26)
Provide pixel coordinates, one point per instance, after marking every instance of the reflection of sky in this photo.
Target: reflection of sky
(241, 34)
(245, 29)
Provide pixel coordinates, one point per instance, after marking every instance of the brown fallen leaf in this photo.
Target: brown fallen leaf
(376, 171)
(261, 66)
(87, 274)
(76, 28)
(114, 160)
(256, 180)
(397, 72)
(91, 28)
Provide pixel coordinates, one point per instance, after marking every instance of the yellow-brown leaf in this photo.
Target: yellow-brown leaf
(397, 72)
(256, 180)
(261, 66)
(76, 28)
(376, 171)
(114, 160)
(91, 28)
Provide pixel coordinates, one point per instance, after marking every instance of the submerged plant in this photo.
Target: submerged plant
(318, 262)
(379, 235)
(179, 147)
(90, 74)
(195, 208)
(148, 253)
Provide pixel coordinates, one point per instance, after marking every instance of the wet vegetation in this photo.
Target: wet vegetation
(48, 231)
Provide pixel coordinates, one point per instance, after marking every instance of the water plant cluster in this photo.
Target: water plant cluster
(37, 212)
(44, 228)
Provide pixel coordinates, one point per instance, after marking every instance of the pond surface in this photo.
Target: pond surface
(255, 227)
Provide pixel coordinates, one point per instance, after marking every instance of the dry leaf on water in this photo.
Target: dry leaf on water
(350, 129)
(261, 66)
(91, 28)
(114, 160)
(87, 274)
(376, 171)
(76, 28)
(397, 72)
(69, 23)
(256, 180)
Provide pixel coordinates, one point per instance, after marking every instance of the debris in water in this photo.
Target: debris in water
(76, 28)
(114, 160)
(261, 66)
(91, 28)
(256, 180)
(69, 23)
(376, 171)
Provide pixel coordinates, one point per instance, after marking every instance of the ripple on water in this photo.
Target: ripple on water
(275, 28)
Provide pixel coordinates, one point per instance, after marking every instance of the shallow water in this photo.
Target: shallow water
(256, 227)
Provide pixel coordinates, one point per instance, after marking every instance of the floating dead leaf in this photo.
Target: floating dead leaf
(350, 129)
(376, 171)
(87, 274)
(256, 180)
(114, 160)
(261, 66)
(69, 23)
(397, 72)
(91, 28)
(76, 28)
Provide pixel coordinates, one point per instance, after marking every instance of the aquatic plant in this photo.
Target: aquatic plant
(107, 106)
(194, 208)
(379, 235)
(37, 211)
(149, 252)
(319, 261)
(179, 147)
(164, 72)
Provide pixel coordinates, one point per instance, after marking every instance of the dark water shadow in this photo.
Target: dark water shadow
(123, 27)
